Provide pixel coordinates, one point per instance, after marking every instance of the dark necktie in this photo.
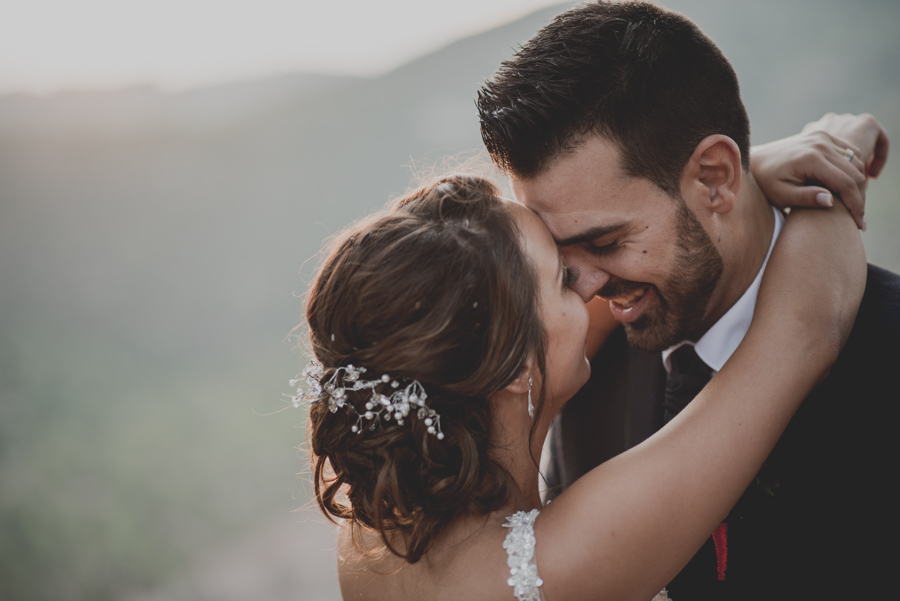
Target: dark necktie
(687, 378)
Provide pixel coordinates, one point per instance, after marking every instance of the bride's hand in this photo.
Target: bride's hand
(862, 130)
(789, 171)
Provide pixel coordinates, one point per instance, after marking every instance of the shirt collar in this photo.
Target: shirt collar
(723, 338)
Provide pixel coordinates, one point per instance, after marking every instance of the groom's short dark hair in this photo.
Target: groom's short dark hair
(643, 77)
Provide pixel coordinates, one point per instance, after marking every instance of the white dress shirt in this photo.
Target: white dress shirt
(723, 338)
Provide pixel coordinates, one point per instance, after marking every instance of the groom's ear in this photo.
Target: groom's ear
(712, 176)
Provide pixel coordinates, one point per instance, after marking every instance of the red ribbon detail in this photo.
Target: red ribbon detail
(720, 539)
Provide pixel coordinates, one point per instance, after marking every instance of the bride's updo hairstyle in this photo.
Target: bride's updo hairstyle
(435, 289)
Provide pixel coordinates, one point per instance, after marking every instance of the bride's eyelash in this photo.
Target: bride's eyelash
(570, 276)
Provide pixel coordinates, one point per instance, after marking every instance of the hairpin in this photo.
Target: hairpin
(379, 408)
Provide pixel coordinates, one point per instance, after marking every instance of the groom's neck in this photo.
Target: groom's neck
(744, 244)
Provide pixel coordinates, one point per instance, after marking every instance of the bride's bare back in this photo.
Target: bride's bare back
(463, 564)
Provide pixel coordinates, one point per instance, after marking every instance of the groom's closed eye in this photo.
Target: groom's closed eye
(593, 235)
(600, 248)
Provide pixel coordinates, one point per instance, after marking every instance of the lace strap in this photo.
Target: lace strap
(519, 545)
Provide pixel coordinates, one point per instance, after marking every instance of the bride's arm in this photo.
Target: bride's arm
(634, 522)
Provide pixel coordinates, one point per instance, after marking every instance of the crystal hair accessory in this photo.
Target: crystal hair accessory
(381, 407)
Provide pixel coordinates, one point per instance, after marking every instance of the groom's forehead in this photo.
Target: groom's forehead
(582, 211)
(586, 199)
(576, 180)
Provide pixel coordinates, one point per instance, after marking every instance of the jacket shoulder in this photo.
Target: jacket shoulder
(878, 321)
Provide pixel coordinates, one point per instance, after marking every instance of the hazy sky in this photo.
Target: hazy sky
(47, 45)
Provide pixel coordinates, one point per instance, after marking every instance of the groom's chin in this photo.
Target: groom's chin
(649, 335)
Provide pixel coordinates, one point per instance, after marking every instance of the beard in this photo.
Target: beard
(681, 302)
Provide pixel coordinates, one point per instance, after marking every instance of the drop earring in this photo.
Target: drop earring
(530, 404)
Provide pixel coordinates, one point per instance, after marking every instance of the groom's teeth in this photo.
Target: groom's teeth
(627, 301)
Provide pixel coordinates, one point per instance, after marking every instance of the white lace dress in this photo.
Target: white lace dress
(523, 573)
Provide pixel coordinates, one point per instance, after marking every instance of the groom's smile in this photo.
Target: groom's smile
(630, 242)
(626, 304)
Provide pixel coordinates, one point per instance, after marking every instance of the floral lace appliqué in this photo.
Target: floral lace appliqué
(519, 545)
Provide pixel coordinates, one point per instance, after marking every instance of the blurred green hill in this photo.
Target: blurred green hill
(149, 251)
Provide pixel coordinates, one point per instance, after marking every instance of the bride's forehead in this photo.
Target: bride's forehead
(536, 241)
(521, 213)
(531, 224)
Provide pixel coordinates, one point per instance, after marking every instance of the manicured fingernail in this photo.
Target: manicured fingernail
(824, 199)
(864, 224)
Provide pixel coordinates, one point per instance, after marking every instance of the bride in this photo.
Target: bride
(445, 341)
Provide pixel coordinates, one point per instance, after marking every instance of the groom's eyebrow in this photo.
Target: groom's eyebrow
(593, 233)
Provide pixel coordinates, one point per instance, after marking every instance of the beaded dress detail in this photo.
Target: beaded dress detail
(519, 545)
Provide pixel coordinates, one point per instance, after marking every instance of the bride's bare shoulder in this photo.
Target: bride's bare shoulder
(366, 570)
(467, 564)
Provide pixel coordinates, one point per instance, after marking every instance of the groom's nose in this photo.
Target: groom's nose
(590, 282)
(591, 277)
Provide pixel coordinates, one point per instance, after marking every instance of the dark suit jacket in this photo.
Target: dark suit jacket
(829, 528)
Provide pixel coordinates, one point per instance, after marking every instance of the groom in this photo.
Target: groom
(622, 127)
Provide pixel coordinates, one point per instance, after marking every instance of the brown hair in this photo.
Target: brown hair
(436, 289)
(641, 76)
